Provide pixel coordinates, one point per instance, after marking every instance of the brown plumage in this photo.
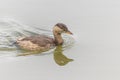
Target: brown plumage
(42, 42)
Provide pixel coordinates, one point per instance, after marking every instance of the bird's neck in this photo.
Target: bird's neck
(58, 39)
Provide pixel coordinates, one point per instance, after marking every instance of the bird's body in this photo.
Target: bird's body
(39, 42)
(43, 42)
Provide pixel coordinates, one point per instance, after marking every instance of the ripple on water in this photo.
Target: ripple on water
(10, 30)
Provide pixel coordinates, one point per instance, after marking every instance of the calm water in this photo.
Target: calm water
(92, 53)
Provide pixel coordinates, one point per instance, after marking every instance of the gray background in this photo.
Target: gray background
(96, 27)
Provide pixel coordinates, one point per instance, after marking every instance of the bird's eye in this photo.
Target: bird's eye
(64, 31)
(59, 33)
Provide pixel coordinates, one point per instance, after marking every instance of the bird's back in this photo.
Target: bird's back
(40, 42)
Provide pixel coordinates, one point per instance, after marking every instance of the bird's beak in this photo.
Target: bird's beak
(69, 32)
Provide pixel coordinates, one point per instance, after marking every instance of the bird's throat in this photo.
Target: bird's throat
(58, 39)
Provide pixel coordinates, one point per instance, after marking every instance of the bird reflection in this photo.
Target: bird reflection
(59, 58)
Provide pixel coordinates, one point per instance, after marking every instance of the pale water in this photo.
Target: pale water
(95, 48)
(92, 52)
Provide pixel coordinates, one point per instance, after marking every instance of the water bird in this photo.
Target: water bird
(43, 42)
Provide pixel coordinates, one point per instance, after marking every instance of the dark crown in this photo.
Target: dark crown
(62, 26)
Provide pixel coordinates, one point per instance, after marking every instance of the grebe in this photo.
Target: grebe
(42, 42)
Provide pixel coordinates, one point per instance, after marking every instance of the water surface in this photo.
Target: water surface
(95, 53)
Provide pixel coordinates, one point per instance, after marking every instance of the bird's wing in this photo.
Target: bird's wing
(40, 40)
